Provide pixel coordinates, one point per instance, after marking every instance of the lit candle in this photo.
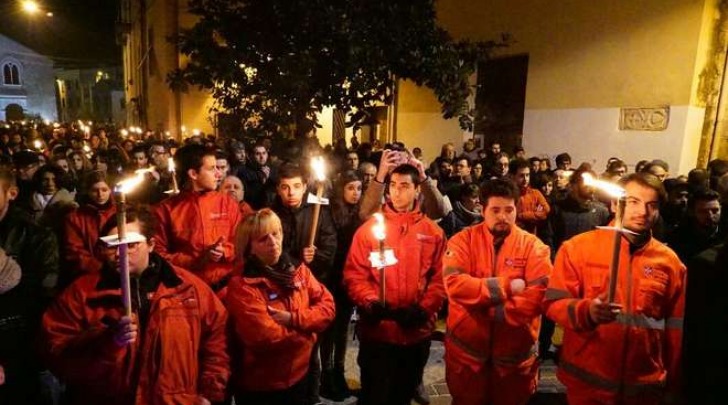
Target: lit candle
(618, 193)
(380, 234)
(38, 144)
(318, 166)
(170, 167)
(123, 188)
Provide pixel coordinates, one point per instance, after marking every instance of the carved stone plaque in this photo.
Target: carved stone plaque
(644, 119)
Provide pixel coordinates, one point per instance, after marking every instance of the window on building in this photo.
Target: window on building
(11, 74)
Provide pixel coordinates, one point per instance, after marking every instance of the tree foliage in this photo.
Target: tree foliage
(276, 63)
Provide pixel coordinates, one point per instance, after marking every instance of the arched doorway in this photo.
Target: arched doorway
(14, 112)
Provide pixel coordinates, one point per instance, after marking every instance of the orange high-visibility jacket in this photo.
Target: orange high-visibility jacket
(82, 234)
(180, 355)
(487, 323)
(533, 209)
(638, 353)
(418, 244)
(191, 222)
(271, 356)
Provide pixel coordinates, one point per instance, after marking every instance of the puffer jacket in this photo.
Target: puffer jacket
(640, 352)
(416, 278)
(180, 354)
(189, 223)
(487, 323)
(267, 355)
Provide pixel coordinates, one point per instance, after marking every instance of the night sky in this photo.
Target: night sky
(80, 34)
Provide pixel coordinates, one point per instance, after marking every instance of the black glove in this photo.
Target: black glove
(411, 317)
(375, 312)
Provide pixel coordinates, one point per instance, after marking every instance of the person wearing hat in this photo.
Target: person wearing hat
(26, 163)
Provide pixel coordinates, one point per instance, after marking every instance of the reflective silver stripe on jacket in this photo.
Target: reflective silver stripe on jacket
(610, 385)
(641, 321)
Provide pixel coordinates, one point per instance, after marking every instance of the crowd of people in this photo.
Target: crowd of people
(244, 280)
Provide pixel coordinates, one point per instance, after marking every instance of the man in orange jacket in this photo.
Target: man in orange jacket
(394, 333)
(495, 277)
(172, 351)
(533, 209)
(196, 228)
(626, 352)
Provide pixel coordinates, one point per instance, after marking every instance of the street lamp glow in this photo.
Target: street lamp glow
(30, 7)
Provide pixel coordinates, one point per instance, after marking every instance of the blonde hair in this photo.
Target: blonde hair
(263, 222)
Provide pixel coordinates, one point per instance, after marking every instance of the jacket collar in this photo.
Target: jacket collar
(109, 278)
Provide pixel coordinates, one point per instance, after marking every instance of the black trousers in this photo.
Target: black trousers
(390, 373)
(294, 395)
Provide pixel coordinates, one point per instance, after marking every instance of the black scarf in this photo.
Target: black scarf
(282, 274)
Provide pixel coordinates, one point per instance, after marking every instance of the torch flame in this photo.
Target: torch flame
(378, 228)
(127, 185)
(170, 164)
(318, 165)
(610, 189)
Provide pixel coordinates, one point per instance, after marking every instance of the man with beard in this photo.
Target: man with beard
(699, 230)
(627, 351)
(495, 277)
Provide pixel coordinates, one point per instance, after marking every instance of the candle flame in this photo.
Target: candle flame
(610, 189)
(127, 185)
(378, 229)
(170, 164)
(318, 165)
(38, 144)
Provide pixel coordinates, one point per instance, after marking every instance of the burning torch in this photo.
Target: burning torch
(617, 193)
(318, 166)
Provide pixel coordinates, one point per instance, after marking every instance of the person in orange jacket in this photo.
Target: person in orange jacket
(533, 209)
(629, 351)
(197, 226)
(394, 333)
(495, 278)
(171, 351)
(82, 228)
(277, 311)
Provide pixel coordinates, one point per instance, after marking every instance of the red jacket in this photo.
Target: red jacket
(533, 209)
(82, 234)
(245, 209)
(191, 222)
(267, 355)
(181, 354)
(418, 245)
(640, 352)
(487, 323)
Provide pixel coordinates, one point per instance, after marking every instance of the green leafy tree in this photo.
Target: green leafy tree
(275, 63)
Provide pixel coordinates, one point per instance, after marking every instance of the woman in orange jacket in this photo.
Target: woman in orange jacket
(276, 312)
(82, 226)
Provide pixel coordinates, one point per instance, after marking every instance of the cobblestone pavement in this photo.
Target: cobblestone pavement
(550, 391)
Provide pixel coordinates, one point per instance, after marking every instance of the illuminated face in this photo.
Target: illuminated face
(48, 184)
(368, 173)
(140, 160)
(63, 164)
(352, 161)
(159, 155)
(499, 215)
(707, 213)
(207, 177)
(659, 172)
(138, 252)
(100, 193)
(291, 191)
(268, 247)
(77, 162)
(462, 168)
(233, 186)
(402, 192)
(523, 177)
(547, 188)
(478, 170)
(352, 192)
(445, 169)
(261, 155)
(501, 166)
(223, 167)
(642, 208)
(495, 149)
